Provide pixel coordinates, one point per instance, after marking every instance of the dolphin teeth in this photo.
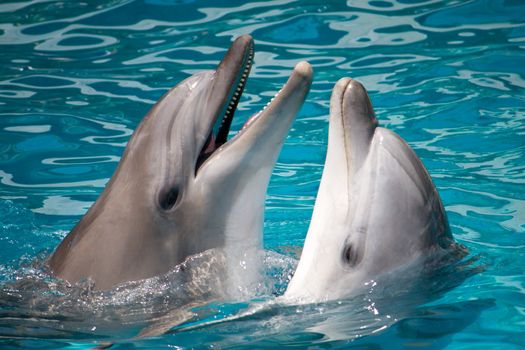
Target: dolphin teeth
(222, 134)
(220, 131)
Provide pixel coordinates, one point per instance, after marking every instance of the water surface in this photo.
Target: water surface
(448, 76)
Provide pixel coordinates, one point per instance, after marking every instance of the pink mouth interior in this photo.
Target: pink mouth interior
(211, 146)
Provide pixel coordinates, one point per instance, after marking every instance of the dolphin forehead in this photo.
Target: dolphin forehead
(185, 115)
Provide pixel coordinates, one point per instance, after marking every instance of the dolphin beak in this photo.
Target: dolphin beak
(352, 123)
(262, 136)
(228, 84)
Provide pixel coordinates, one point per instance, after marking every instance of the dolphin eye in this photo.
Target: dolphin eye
(168, 198)
(351, 255)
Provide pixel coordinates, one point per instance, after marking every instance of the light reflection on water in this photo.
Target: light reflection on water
(77, 77)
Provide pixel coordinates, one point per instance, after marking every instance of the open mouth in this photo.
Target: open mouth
(219, 133)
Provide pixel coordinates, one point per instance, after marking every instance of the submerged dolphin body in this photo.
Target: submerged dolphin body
(181, 187)
(376, 210)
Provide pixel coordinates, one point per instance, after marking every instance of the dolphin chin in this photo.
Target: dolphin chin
(182, 187)
(377, 209)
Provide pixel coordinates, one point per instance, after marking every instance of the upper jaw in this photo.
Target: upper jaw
(228, 84)
(352, 123)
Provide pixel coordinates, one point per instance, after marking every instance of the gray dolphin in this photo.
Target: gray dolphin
(377, 209)
(181, 186)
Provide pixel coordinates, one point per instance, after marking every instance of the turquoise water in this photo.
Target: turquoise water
(77, 77)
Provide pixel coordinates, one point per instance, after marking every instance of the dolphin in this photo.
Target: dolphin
(182, 187)
(376, 210)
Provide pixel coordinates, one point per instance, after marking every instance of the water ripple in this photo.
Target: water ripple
(78, 76)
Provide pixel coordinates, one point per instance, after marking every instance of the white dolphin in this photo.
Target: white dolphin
(376, 210)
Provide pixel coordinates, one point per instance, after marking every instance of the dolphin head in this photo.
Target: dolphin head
(376, 210)
(182, 186)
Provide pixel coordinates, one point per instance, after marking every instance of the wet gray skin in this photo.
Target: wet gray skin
(181, 187)
(376, 211)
